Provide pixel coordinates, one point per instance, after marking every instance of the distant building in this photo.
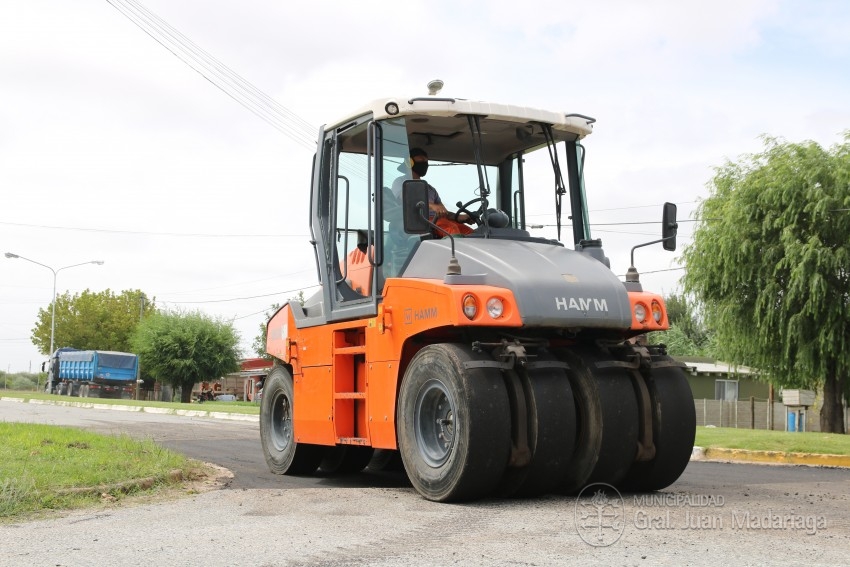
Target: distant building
(714, 380)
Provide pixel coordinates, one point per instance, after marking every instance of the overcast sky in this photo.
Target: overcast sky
(113, 149)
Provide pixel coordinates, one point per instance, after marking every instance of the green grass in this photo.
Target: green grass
(249, 408)
(47, 468)
(762, 440)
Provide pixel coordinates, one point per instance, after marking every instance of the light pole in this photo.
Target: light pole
(53, 305)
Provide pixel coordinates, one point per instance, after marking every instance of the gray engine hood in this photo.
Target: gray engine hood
(553, 286)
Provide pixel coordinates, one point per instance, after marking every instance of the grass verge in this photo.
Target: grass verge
(247, 408)
(762, 440)
(47, 468)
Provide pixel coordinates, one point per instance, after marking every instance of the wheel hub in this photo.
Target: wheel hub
(434, 423)
(281, 423)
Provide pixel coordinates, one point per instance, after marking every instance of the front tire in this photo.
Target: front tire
(283, 455)
(453, 424)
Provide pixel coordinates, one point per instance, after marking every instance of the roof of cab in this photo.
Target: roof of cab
(577, 124)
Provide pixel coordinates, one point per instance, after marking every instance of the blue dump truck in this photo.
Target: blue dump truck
(93, 373)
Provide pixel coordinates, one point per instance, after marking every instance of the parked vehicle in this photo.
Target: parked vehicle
(497, 362)
(93, 373)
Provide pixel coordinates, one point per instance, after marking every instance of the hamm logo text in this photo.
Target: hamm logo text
(411, 315)
(580, 304)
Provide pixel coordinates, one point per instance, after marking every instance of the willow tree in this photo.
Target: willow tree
(688, 335)
(770, 263)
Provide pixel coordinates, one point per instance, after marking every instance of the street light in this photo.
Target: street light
(53, 305)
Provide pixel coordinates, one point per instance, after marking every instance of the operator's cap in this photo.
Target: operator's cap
(405, 167)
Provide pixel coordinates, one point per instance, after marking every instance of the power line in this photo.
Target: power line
(630, 233)
(208, 235)
(656, 271)
(218, 74)
(638, 207)
(631, 207)
(149, 233)
(248, 315)
(312, 269)
(623, 223)
(239, 298)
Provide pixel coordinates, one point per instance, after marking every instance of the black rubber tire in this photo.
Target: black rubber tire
(386, 460)
(345, 459)
(551, 433)
(607, 420)
(283, 455)
(453, 424)
(674, 425)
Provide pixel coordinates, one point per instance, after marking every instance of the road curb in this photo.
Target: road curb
(147, 409)
(697, 454)
(769, 457)
(126, 486)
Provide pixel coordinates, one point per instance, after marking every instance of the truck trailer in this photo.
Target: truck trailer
(495, 362)
(93, 373)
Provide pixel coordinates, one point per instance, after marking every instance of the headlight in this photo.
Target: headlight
(657, 312)
(640, 312)
(495, 307)
(470, 306)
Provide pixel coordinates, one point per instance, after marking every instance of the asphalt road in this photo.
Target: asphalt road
(716, 513)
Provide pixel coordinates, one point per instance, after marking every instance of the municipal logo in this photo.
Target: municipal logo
(600, 514)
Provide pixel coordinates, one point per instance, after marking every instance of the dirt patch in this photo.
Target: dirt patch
(215, 478)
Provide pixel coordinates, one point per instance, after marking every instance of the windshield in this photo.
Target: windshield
(517, 172)
(455, 182)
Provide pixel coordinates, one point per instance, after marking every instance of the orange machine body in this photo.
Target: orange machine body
(346, 375)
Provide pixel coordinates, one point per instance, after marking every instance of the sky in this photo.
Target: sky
(113, 149)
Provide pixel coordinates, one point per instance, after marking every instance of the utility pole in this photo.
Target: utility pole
(53, 303)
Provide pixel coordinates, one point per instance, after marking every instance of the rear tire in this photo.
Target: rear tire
(607, 412)
(283, 454)
(386, 460)
(453, 424)
(551, 433)
(673, 431)
(345, 459)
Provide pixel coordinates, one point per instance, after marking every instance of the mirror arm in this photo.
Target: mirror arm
(647, 244)
(454, 266)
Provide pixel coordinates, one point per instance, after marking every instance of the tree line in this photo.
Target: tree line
(175, 348)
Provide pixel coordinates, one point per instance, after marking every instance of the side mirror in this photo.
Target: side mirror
(669, 226)
(414, 204)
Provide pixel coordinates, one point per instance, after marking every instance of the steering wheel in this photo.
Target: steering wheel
(464, 208)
